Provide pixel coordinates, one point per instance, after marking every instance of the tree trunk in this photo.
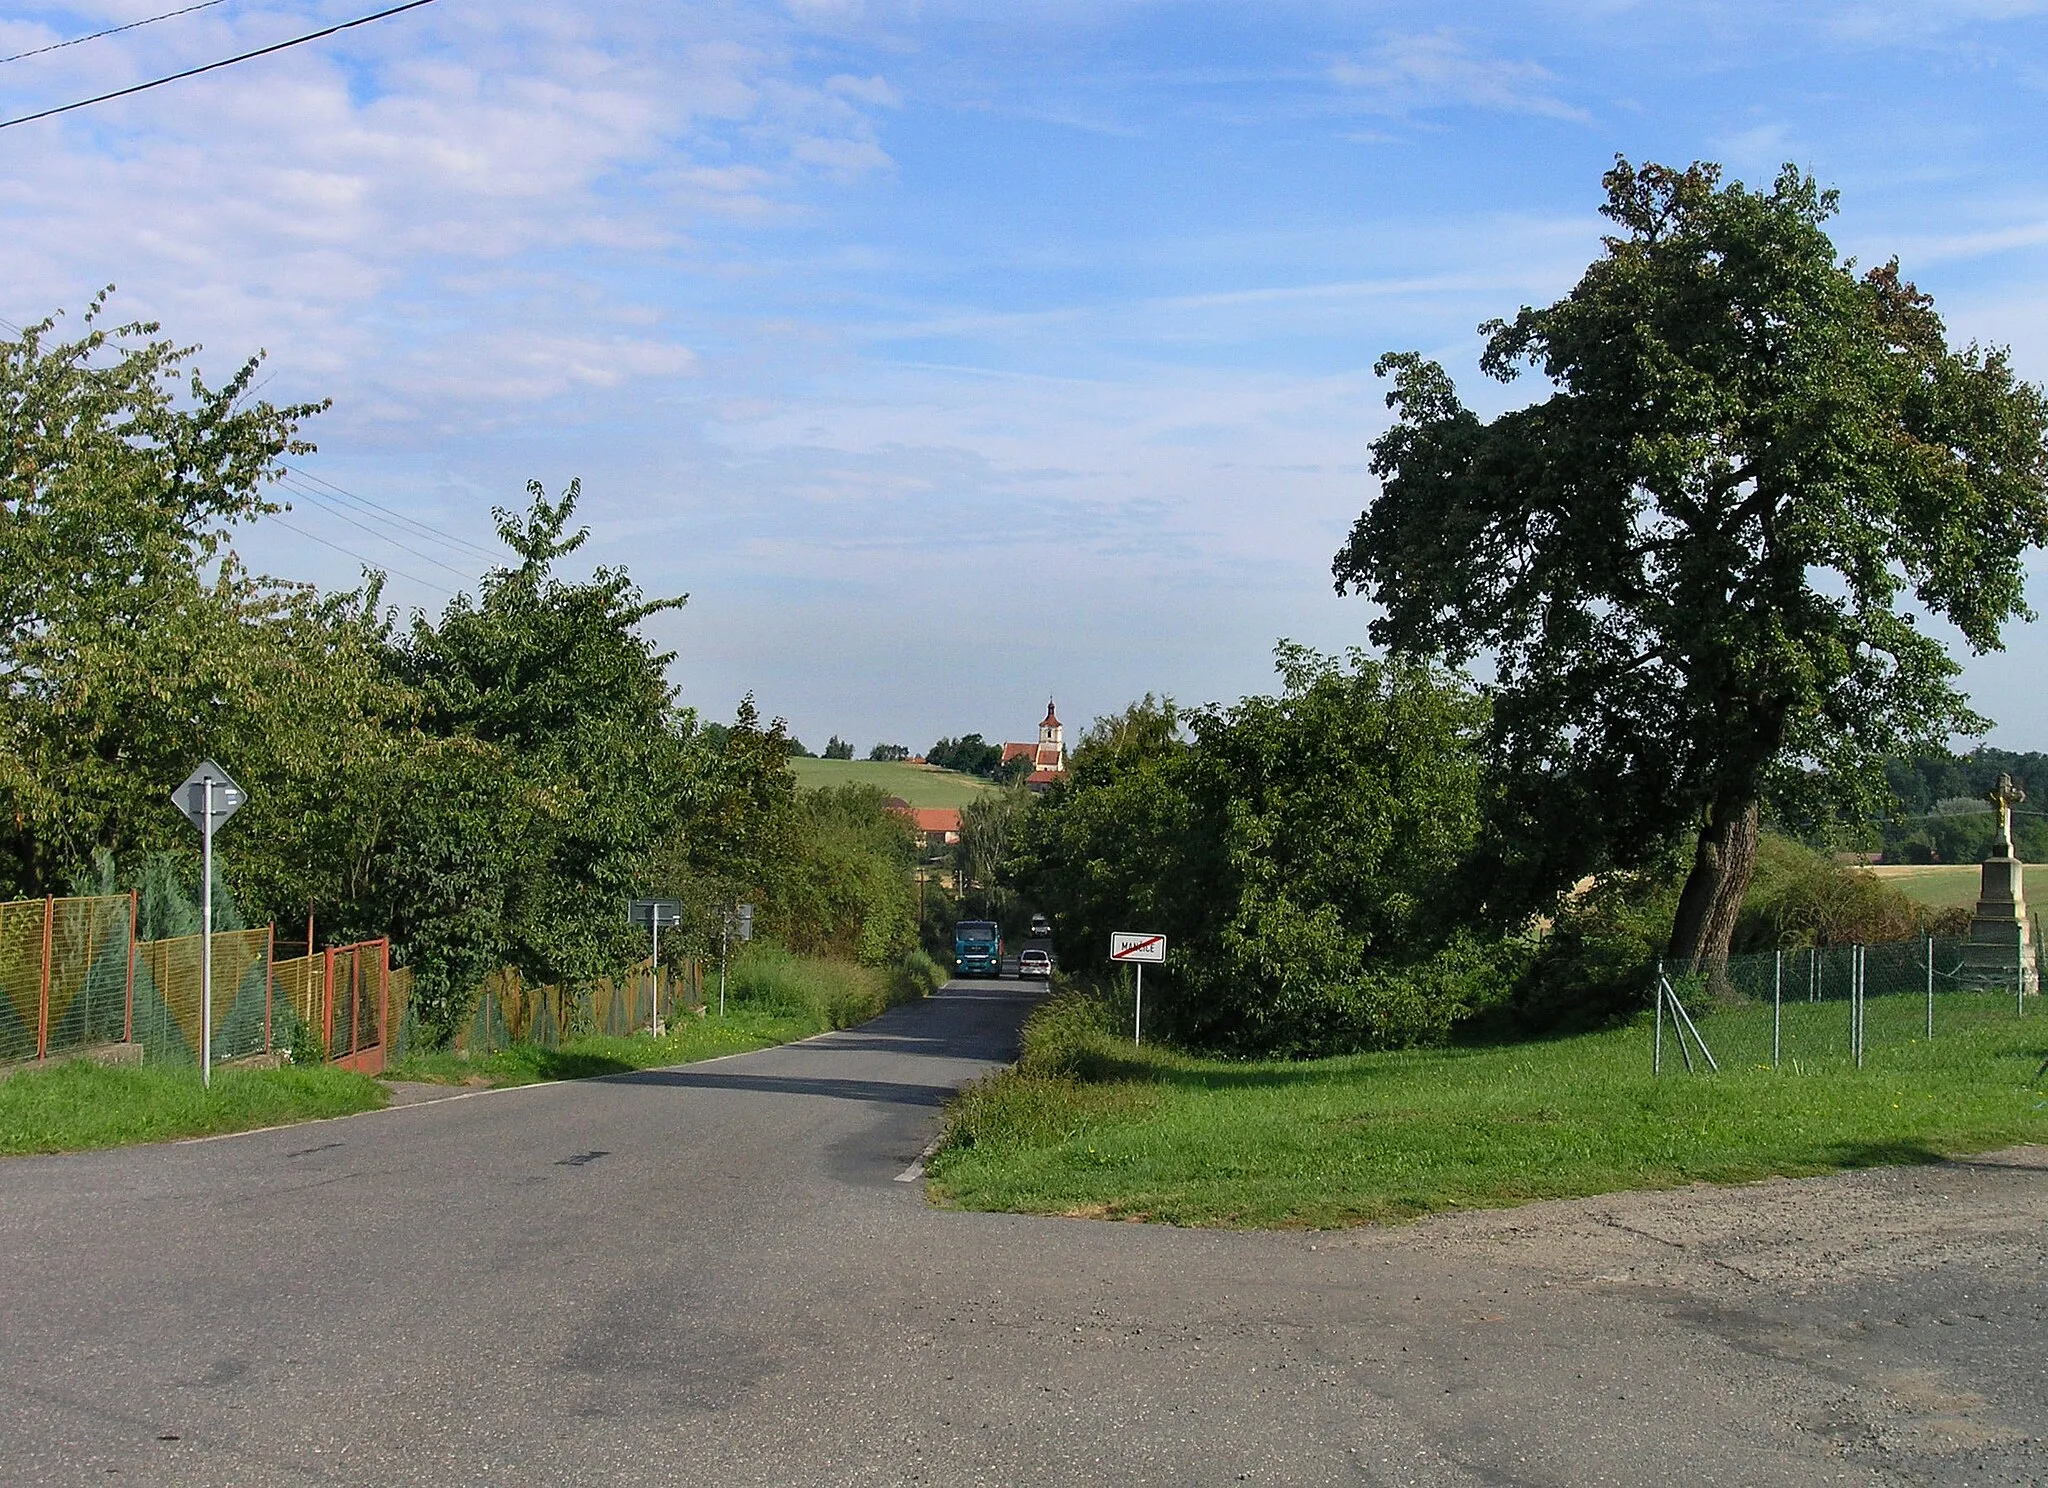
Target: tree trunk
(1722, 866)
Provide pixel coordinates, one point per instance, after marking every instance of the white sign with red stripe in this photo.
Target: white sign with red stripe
(1126, 945)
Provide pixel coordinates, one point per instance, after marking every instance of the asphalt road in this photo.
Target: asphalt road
(712, 1276)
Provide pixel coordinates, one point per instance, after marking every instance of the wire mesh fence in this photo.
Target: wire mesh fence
(64, 974)
(510, 1012)
(1820, 1005)
(74, 978)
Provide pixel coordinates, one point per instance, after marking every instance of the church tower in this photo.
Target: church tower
(1052, 743)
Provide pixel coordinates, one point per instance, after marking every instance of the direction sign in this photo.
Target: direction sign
(663, 914)
(191, 795)
(1132, 945)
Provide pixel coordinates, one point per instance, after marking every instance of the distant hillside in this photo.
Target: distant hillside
(919, 785)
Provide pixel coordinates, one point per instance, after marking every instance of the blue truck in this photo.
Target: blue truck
(978, 948)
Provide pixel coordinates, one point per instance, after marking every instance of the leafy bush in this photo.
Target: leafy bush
(1300, 853)
(1800, 897)
(835, 994)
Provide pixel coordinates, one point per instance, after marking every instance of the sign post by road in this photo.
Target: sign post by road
(742, 918)
(654, 913)
(208, 797)
(1136, 947)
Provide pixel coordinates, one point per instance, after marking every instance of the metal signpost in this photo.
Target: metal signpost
(1137, 948)
(208, 797)
(742, 917)
(654, 913)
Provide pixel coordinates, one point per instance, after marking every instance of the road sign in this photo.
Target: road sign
(657, 915)
(208, 797)
(1130, 945)
(746, 922)
(191, 796)
(1137, 947)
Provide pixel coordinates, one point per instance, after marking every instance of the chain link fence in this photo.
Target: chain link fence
(1832, 1005)
(509, 1012)
(74, 978)
(64, 975)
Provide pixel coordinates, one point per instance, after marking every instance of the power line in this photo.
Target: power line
(328, 505)
(58, 46)
(424, 529)
(366, 562)
(278, 46)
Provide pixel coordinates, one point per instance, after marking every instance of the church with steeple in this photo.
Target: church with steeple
(1048, 756)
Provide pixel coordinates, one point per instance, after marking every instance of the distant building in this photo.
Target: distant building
(940, 825)
(1048, 756)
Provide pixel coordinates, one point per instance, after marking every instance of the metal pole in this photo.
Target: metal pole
(1930, 986)
(724, 928)
(269, 982)
(206, 945)
(43, 1000)
(654, 963)
(128, 1017)
(1859, 1006)
(1777, 1009)
(1138, 1023)
(1657, 1047)
(2020, 952)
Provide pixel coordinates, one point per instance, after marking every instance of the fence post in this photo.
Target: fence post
(128, 1011)
(1777, 1007)
(1657, 1048)
(1860, 952)
(269, 983)
(1930, 986)
(43, 1000)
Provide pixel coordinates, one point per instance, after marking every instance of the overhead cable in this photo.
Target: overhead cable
(333, 509)
(370, 563)
(278, 46)
(58, 46)
(424, 529)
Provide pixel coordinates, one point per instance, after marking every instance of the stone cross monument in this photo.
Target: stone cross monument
(1999, 947)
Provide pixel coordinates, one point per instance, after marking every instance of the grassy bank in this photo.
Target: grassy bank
(1087, 1126)
(76, 1105)
(771, 998)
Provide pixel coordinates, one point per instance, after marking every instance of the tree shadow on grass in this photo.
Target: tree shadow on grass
(1887, 1152)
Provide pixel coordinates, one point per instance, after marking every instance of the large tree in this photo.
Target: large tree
(1690, 563)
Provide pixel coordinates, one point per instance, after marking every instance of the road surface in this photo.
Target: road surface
(712, 1276)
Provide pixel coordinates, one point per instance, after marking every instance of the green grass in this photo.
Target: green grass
(79, 1104)
(1087, 1126)
(1936, 885)
(771, 998)
(919, 785)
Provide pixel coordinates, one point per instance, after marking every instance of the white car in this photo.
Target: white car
(1040, 925)
(1035, 964)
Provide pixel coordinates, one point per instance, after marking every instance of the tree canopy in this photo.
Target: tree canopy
(1693, 565)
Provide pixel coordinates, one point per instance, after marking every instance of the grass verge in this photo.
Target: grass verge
(76, 1105)
(1087, 1126)
(771, 998)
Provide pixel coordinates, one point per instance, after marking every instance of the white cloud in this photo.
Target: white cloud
(1434, 70)
(354, 200)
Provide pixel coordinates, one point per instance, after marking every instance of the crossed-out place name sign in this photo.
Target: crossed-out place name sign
(1128, 945)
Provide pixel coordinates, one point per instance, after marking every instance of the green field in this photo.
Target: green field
(919, 785)
(1936, 885)
(1087, 1126)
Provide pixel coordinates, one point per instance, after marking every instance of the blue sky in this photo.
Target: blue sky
(951, 355)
